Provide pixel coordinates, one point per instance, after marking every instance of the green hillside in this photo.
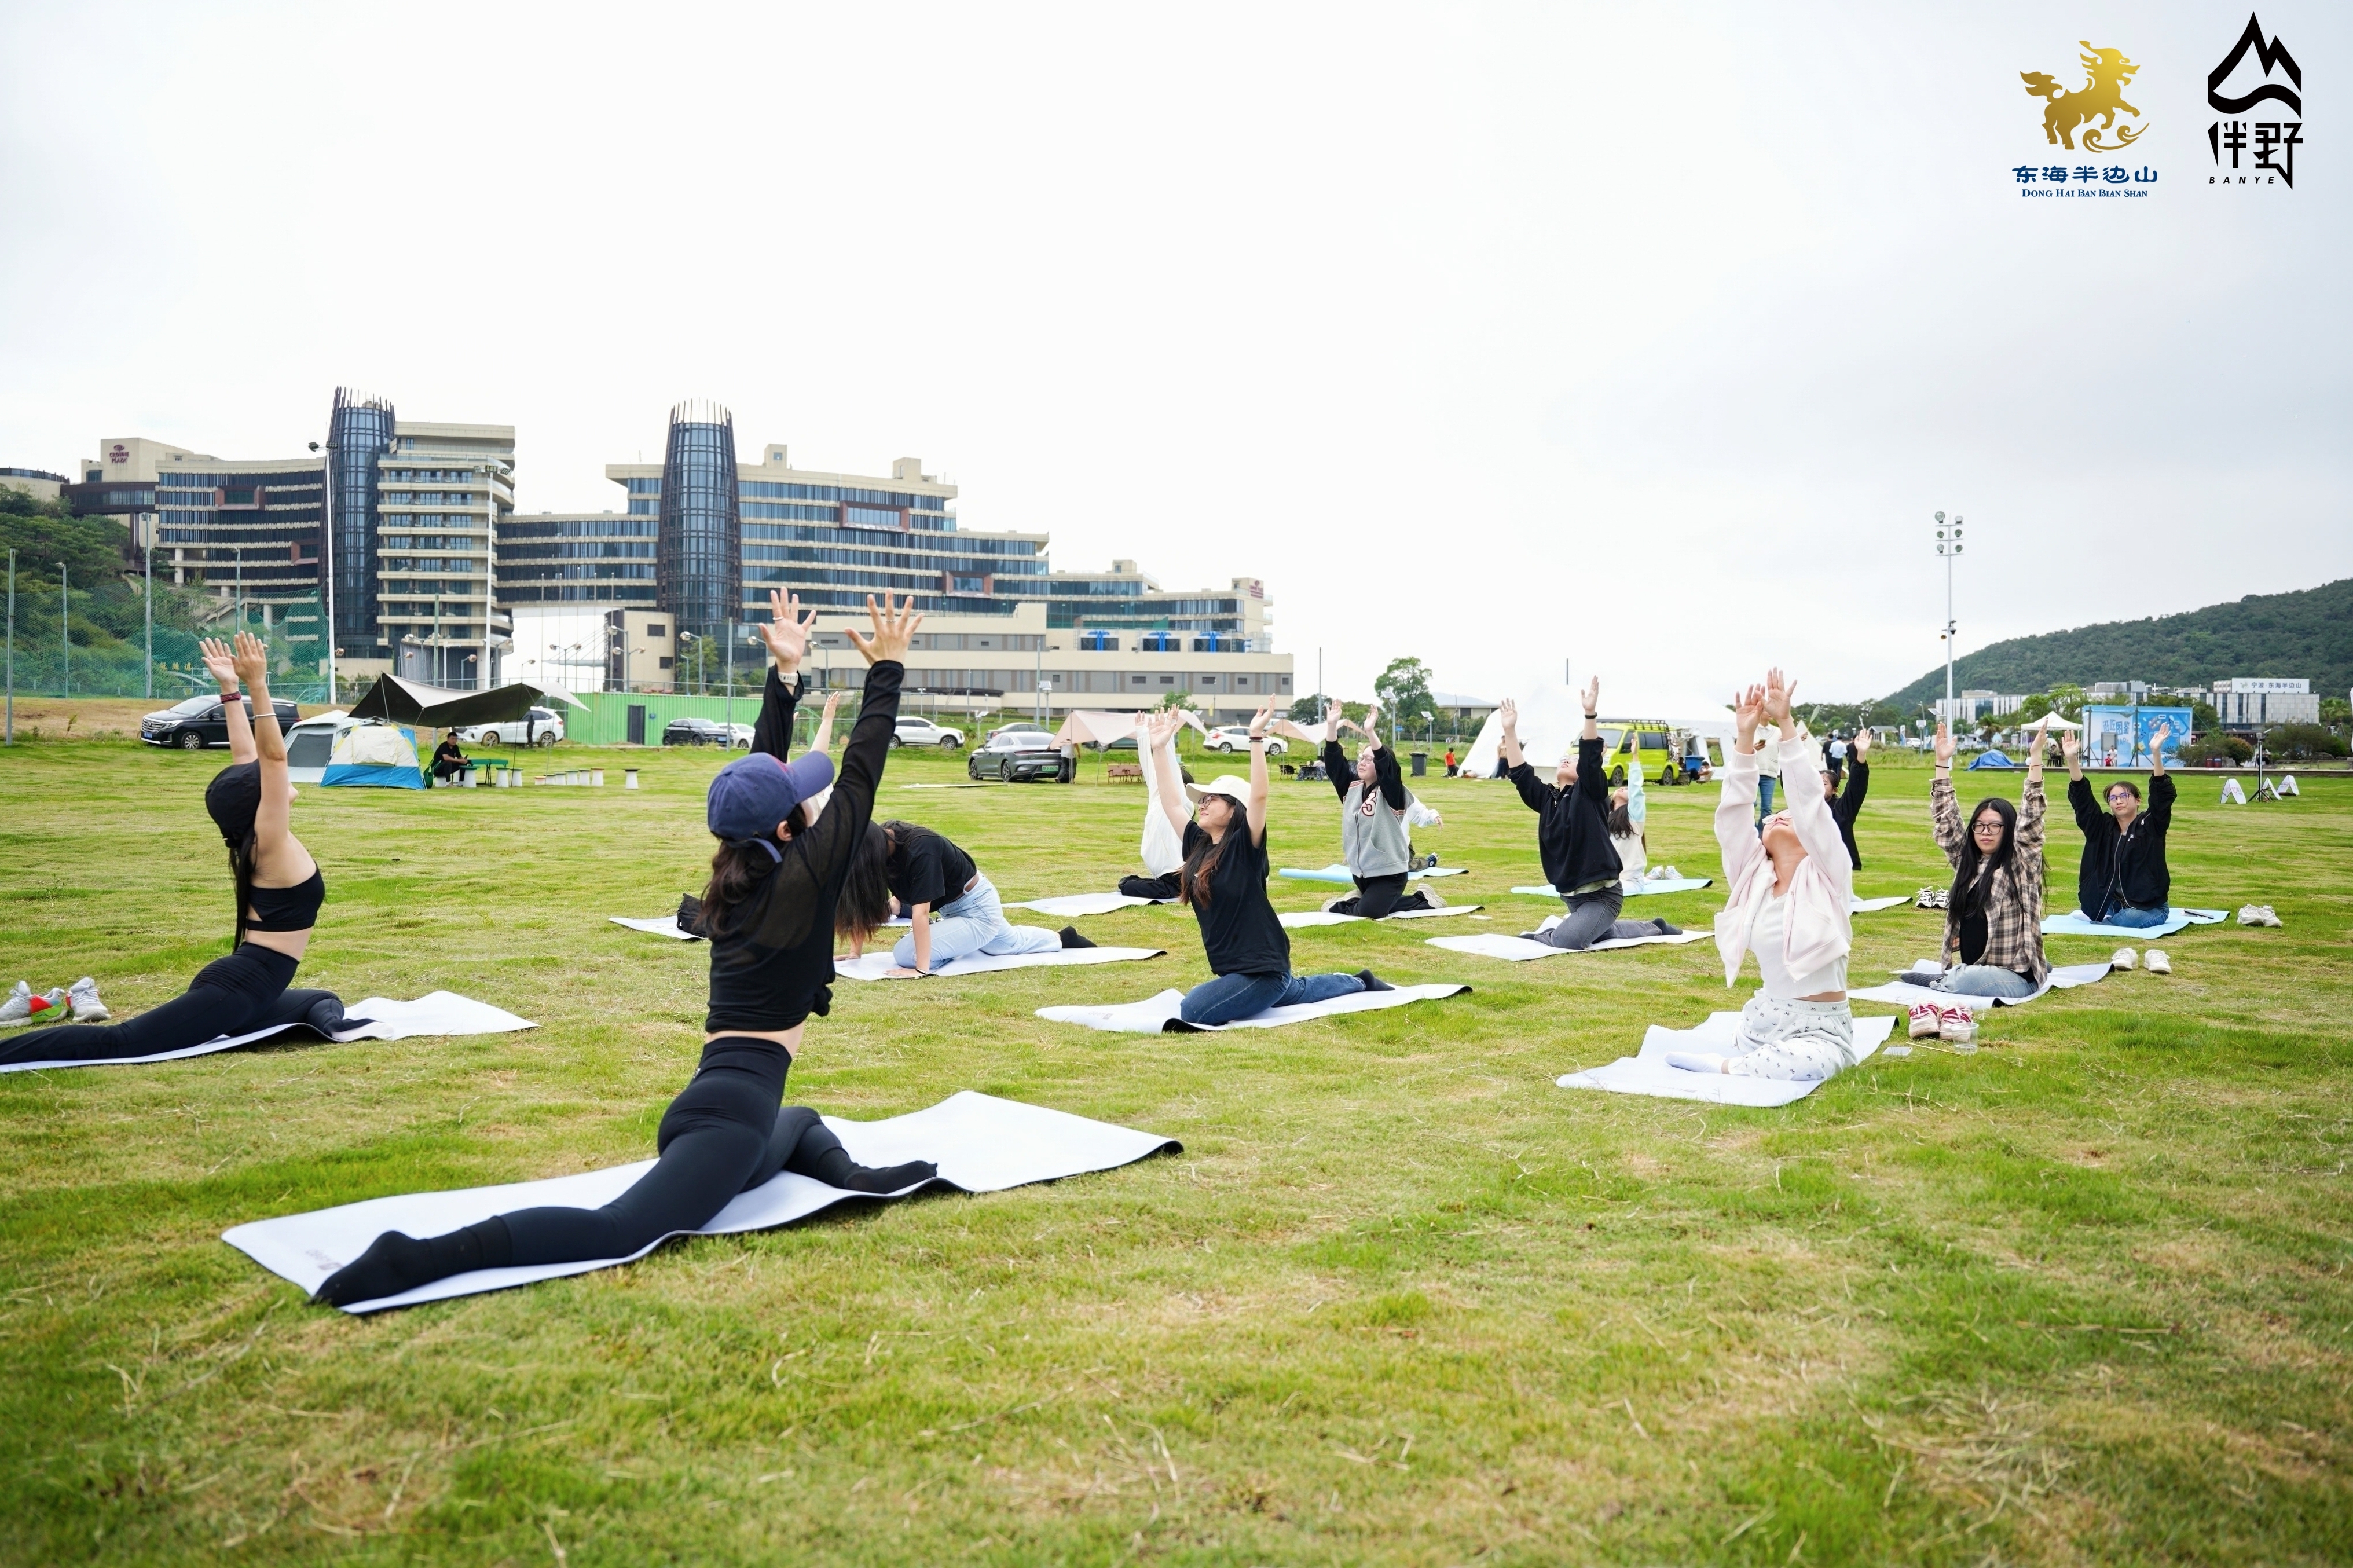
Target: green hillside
(2309, 632)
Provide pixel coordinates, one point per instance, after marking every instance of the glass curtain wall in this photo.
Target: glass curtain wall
(358, 432)
(698, 560)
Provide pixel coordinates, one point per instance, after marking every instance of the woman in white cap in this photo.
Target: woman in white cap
(1224, 881)
(775, 901)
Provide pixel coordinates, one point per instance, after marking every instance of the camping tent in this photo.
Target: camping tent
(438, 707)
(1094, 726)
(311, 745)
(1990, 759)
(375, 755)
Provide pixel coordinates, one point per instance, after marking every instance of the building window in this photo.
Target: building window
(666, 663)
(656, 629)
(1168, 680)
(1138, 680)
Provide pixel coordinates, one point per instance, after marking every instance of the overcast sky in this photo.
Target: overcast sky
(1644, 336)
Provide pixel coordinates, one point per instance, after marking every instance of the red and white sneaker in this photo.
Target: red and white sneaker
(1927, 1019)
(27, 1006)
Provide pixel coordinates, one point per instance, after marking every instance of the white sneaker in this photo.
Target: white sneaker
(1430, 896)
(87, 1008)
(2158, 963)
(2257, 914)
(1695, 1061)
(25, 1005)
(2123, 960)
(1927, 1019)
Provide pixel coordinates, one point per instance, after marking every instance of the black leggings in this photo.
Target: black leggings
(1379, 896)
(727, 1132)
(239, 994)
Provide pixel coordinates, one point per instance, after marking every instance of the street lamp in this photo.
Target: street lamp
(1949, 546)
(327, 553)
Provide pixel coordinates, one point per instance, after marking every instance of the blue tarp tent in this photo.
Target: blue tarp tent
(375, 755)
(1991, 760)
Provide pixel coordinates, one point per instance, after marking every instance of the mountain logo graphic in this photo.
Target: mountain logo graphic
(2107, 72)
(2273, 143)
(2269, 54)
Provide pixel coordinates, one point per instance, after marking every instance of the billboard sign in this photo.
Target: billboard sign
(2119, 736)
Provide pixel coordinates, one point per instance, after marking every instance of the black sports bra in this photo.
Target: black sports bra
(294, 908)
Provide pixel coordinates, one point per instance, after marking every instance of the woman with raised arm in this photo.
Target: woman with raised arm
(1993, 917)
(1580, 858)
(1788, 898)
(1374, 808)
(777, 896)
(1224, 880)
(279, 891)
(2123, 879)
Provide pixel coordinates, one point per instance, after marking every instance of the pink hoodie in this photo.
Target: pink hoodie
(1819, 929)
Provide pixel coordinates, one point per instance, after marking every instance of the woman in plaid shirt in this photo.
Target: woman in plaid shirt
(1993, 921)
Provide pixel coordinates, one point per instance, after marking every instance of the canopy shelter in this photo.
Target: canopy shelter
(438, 707)
(1095, 727)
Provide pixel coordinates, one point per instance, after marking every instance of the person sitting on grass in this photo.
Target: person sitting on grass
(1848, 805)
(1162, 846)
(1580, 859)
(776, 897)
(448, 761)
(1993, 915)
(1788, 892)
(1224, 881)
(2123, 880)
(1373, 808)
(954, 909)
(278, 891)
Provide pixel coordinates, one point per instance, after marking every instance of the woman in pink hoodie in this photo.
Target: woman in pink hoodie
(1790, 893)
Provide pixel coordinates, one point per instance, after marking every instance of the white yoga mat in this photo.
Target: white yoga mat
(1661, 884)
(1873, 905)
(980, 1143)
(1074, 904)
(1904, 993)
(1158, 1014)
(1295, 918)
(1647, 1074)
(2073, 924)
(1520, 949)
(666, 926)
(1340, 874)
(435, 1013)
(878, 966)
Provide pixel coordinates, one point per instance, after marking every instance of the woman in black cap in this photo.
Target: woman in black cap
(776, 899)
(279, 891)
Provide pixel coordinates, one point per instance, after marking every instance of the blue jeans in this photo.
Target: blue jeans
(2125, 914)
(1984, 980)
(1230, 997)
(973, 922)
(1765, 783)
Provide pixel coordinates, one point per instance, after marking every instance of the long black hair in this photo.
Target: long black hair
(1193, 882)
(234, 801)
(864, 907)
(1974, 877)
(738, 867)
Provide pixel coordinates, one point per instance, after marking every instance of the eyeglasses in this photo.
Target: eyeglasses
(1990, 825)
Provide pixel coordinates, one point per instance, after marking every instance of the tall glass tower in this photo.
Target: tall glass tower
(358, 432)
(699, 549)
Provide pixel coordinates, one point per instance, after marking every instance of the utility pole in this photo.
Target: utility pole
(327, 555)
(1949, 546)
(148, 556)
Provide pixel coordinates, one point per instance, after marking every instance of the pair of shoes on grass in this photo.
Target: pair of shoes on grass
(1940, 1021)
(80, 1000)
(2154, 960)
(2257, 914)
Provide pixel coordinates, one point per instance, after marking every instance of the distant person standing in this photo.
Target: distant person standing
(2123, 879)
(1847, 806)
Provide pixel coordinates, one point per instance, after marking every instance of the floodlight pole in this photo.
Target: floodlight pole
(148, 556)
(327, 537)
(11, 738)
(1949, 546)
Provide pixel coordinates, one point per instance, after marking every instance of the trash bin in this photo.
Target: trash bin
(1420, 763)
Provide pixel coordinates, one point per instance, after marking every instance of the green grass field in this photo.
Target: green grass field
(2079, 1297)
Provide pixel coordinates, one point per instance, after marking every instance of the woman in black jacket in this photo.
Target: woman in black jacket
(776, 898)
(1580, 859)
(2123, 880)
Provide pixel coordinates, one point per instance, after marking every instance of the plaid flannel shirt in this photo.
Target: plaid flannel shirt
(2013, 904)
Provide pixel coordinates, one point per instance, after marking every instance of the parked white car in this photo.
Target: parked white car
(543, 728)
(914, 730)
(1233, 737)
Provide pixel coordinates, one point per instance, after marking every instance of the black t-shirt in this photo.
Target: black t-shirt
(1238, 928)
(926, 867)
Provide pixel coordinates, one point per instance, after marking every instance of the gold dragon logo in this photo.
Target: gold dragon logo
(2106, 73)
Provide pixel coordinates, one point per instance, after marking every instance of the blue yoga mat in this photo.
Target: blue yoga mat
(2073, 924)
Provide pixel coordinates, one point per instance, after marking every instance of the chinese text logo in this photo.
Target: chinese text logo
(2106, 73)
(2273, 141)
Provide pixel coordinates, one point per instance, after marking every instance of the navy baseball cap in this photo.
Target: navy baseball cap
(753, 794)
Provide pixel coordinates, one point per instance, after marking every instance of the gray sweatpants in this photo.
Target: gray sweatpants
(1797, 1041)
(1593, 917)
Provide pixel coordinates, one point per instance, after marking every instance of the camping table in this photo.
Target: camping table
(491, 767)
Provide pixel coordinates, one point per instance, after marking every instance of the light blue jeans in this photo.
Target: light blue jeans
(1984, 980)
(1230, 997)
(2134, 919)
(974, 923)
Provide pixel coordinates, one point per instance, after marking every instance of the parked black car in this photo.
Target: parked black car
(200, 722)
(706, 732)
(1014, 754)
